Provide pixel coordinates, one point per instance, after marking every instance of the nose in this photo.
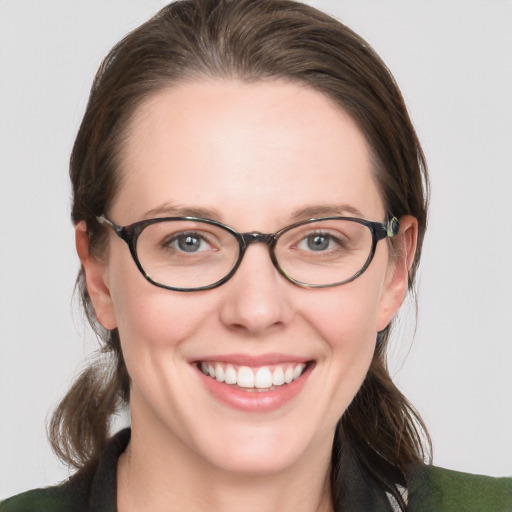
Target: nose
(257, 298)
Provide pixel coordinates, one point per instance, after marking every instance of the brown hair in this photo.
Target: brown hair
(249, 40)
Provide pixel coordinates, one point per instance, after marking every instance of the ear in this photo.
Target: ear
(96, 278)
(397, 278)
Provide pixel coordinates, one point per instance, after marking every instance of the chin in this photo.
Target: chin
(260, 450)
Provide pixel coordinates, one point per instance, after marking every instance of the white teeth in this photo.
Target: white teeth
(288, 375)
(278, 377)
(246, 377)
(230, 375)
(297, 372)
(219, 373)
(263, 378)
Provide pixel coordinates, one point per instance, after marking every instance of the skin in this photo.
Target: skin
(253, 154)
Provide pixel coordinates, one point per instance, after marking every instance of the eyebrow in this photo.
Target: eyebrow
(309, 212)
(328, 210)
(173, 210)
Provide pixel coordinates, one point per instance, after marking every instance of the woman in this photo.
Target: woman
(250, 206)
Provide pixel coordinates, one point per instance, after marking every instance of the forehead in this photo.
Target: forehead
(260, 150)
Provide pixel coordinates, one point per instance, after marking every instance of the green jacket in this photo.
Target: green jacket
(431, 489)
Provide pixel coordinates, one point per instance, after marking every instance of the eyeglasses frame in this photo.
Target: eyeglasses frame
(131, 232)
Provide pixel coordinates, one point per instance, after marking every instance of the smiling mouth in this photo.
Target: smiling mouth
(264, 378)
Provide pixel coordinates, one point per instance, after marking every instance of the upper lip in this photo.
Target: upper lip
(253, 360)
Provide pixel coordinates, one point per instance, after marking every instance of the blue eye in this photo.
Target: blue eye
(188, 242)
(318, 242)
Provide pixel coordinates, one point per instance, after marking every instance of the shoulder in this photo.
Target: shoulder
(436, 489)
(91, 489)
(60, 498)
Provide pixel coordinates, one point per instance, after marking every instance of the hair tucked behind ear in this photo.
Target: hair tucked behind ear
(380, 436)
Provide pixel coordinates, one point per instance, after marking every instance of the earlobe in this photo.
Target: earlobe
(96, 277)
(398, 279)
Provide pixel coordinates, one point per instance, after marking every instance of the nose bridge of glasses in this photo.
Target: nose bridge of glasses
(253, 238)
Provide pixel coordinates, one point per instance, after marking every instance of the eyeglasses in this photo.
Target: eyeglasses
(192, 254)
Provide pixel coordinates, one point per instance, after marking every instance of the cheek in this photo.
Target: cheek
(347, 316)
(149, 317)
(346, 320)
(155, 326)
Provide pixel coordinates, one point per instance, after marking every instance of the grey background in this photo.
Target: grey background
(452, 60)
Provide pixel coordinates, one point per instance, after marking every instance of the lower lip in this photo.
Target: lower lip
(254, 400)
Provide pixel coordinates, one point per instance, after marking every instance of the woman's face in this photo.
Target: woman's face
(256, 157)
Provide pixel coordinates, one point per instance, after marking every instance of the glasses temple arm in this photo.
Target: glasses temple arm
(119, 230)
(392, 227)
